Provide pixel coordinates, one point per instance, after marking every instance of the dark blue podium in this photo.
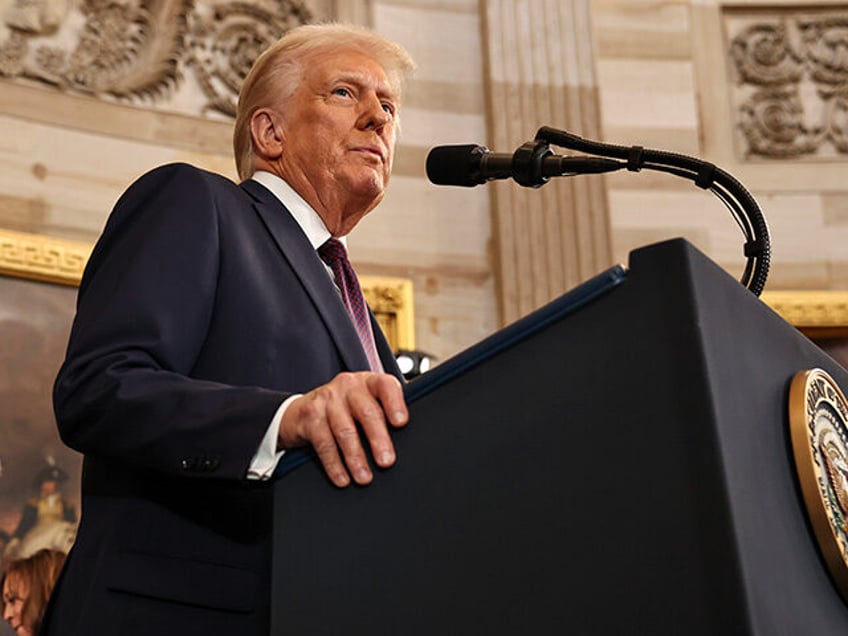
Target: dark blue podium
(618, 462)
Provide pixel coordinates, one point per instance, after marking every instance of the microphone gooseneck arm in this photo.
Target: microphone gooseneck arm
(733, 194)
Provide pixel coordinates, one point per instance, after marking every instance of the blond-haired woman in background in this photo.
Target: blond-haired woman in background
(26, 586)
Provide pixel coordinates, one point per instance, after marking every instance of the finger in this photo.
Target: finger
(309, 414)
(328, 453)
(368, 412)
(388, 390)
(347, 439)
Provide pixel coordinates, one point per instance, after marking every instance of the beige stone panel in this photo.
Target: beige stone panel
(768, 4)
(669, 15)
(397, 261)
(788, 176)
(835, 210)
(447, 96)
(116, 120)
(645, 44)
(671, 214)
(804, 249)
(417, 217)
(23, 214)
(64, 206)
(452, 6)
(800, 275)
(451, 313)
(648, 180)
(79, 176)
(682, 140)
(838, 274)
(800, 231)
(646, 94)
(17, 137)
(640, 29)
(671, 208)
(430, 127)
(445, 44)
(410, 161)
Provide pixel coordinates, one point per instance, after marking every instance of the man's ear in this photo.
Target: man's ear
(267, 134)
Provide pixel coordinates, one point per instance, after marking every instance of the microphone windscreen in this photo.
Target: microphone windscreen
(454, 165)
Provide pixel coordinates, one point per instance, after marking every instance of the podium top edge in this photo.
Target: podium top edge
(514, 333)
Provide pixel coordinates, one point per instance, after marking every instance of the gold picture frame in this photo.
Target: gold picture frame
(818, 314)
(42, 258)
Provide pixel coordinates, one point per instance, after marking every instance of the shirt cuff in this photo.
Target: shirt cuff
(267, 457)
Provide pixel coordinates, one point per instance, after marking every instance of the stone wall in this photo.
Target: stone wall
(756, 87)
(672, 75)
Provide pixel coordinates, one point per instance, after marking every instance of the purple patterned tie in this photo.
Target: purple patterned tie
(334, 254)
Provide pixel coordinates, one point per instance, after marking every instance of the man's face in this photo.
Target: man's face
(339, 133)
(49, 487)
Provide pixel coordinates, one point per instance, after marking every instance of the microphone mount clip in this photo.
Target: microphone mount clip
(527, 163)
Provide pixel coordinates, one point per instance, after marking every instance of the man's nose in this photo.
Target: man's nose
(373, 114)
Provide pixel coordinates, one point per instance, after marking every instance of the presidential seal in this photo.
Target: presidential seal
(818, 420)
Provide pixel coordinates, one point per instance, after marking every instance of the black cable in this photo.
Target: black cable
(705, 175)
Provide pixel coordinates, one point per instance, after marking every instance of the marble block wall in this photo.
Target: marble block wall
(756, 87)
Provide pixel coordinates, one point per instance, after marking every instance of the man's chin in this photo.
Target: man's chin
(368, 186)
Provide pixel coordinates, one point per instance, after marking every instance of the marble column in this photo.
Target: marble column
(540, 71)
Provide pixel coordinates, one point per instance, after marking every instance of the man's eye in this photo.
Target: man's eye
(389, 108)
(341, 91)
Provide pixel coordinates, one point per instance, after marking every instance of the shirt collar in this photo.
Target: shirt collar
(307, 218)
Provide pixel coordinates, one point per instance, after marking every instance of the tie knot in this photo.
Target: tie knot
(332, 251)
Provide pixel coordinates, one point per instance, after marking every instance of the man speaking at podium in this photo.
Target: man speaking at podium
(210, 338)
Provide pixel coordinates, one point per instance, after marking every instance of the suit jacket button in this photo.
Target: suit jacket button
(214, 463)
(188, 464)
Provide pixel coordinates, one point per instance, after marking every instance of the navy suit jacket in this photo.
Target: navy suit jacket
(202, 308)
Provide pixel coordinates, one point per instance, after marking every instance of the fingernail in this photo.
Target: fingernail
(386, 458)
(341, 480)
(362, 475)
(398, 417)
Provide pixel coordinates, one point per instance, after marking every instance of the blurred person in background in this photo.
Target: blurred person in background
(26, 587)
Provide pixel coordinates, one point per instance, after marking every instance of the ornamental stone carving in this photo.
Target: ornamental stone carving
(791, 95)
(187, 56)
(224, 41)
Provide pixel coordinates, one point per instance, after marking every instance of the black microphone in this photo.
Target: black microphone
(532, 165)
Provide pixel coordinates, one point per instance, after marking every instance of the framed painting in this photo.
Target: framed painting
(821, 315)
(39, 476)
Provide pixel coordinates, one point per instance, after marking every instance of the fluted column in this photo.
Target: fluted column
(540, 71)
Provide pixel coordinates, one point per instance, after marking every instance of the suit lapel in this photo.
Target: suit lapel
(304, 261)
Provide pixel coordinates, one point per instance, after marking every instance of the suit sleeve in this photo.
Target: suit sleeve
(126, 389)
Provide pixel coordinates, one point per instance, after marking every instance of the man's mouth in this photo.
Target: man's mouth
(374, 151)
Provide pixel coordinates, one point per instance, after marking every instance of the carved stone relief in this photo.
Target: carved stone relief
(791, 89)
(182, 56)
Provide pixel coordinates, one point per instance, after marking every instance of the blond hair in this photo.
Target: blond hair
(36, 576)
(277, 73)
